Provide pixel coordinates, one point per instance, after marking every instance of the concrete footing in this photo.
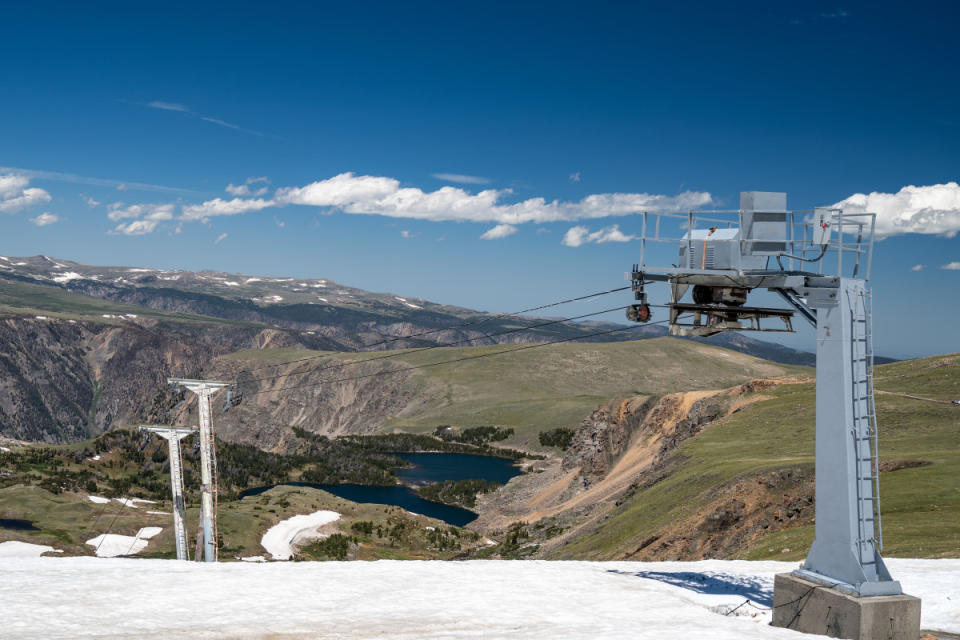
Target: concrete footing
(810, 607)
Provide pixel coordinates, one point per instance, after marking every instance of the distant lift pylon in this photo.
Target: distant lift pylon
(173, 436)
(726, 255)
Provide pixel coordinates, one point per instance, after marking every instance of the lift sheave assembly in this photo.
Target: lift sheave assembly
(818, 263)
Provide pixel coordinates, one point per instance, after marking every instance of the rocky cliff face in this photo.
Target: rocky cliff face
(63, 380)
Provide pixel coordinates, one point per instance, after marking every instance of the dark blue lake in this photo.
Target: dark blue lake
(428, 467)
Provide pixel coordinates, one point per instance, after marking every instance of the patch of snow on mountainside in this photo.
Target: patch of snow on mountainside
(281, 538)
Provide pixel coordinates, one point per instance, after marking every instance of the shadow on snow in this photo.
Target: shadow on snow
(759, 590)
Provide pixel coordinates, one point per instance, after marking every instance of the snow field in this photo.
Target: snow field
(281, 538)
(17, 549)
(69, 598)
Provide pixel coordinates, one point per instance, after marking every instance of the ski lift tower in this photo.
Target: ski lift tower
(208, 488)
(173, 436)
(818, 262)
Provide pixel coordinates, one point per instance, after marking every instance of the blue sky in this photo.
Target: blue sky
(166, 105)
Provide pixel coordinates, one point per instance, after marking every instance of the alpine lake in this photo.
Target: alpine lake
(426, 468)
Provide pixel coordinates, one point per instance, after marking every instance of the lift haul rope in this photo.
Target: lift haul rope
(396, 354)
(461, 325)
(455, 360)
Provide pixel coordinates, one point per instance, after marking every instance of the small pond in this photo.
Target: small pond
(17, 525)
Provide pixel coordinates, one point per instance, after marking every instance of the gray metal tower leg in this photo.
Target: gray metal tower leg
(176, 483)
(847, 527)
(206, 476)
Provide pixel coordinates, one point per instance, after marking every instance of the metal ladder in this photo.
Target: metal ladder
(864, 433)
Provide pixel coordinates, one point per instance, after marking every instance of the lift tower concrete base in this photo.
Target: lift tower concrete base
(843, 589)
(203, 390)
(173, 436)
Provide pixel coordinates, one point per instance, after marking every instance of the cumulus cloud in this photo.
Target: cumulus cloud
(221, 207)
(461, 178)
(576, 236)
(16, 195)
(375, 195)
(44, 219)
(220, 238)
(499, 231)
(916, 267)
(245, 189)
(144, 217)
(933, 209)
(951, 266)
(383, 196)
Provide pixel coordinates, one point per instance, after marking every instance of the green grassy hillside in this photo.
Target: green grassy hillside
(534, 390)
(921, 505)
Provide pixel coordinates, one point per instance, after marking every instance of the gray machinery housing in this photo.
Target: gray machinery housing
(818, 262)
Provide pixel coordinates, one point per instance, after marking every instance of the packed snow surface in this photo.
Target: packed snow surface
(84, 597)
(281, 538)
(17, 549)
(111, 545)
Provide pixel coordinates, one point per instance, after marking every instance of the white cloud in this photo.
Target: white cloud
(916, 267)
(89, 201)
(280, 223)
(145, 217)
(461, 178)
(952, 266)
(933, 209)
(159, 212)
(221, 207)
(168, 106)
(44, 219)
(220, 238)
(245, 190)
(576, 236)
(499, 231)
(408, 234)
(373, 195)
(575, 176)
(16, 195)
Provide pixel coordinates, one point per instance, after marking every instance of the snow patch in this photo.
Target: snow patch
(42, 318)
(17, 549)
(280, 539)
(249, 280)
(111, 545)
(231, 283)
(4, 449)
(139, 270)
(94, 459)
(67, 277)
(254, 559)
(413, 306)
(319, 298)
(98, 499)
(159, 513)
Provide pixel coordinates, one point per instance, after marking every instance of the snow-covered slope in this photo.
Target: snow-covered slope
(87, 597)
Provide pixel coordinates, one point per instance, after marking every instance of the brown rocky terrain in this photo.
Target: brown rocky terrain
(630, 444)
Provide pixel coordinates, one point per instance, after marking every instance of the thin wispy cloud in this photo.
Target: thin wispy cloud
(220, 238)
(461, 178)
(97, 182)
(168, 106)
(407, 234)
(917, 267)
(575, 176)
(163, 105)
